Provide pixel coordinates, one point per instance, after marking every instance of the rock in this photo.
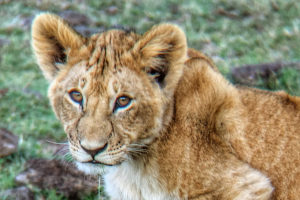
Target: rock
(112, 10)
(8, 142)
(88, 31)
(75, 18)
(2, 2)
(4, 42)
(19, 193)
(3, 92)
(25, 22)
(64, 177)
(80, 22)
(250, 74)
(36, 94)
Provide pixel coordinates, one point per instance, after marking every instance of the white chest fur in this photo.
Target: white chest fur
(132, 182)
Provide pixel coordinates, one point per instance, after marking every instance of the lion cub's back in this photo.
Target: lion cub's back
(273, 135)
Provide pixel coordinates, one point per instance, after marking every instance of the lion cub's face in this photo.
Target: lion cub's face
(113, 92)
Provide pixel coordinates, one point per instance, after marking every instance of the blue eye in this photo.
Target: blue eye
(122, 102)
(76, 96)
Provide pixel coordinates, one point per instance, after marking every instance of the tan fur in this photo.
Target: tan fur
(191, 135)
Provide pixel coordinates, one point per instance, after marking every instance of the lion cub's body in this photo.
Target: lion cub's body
(187, 134)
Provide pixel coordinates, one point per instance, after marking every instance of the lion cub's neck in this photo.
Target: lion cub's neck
(136, 180)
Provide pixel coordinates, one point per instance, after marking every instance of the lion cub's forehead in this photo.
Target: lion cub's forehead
(112, 81)
(120, 40)
(105, 66)
(107, 48)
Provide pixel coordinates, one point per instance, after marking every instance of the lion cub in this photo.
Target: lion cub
(162, 121)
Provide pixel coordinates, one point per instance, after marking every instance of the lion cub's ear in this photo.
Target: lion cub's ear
(162, 51)
(52, 39)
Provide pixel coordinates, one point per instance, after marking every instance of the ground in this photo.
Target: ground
(233, 32)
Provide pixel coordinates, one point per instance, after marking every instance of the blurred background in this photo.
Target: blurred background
(253, 42)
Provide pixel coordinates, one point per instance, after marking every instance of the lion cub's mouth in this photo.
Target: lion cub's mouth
(96, 167)
(95, 162)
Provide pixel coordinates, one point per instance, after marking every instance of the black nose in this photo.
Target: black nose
(94, 152)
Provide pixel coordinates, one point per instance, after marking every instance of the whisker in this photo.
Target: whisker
(99, 188)
(62, 156)
(68, 157)
(59, 143)
(61, 150)
(137, 150)
(137, 147)
(136, 144)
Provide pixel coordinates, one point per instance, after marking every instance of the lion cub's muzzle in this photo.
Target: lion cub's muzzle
(105, 149)
(93, 152)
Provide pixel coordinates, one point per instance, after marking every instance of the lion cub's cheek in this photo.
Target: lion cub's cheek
(60, 102)
(67, 79)
(144, 117)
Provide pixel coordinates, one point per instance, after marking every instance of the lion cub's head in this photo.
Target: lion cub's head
(113, 92)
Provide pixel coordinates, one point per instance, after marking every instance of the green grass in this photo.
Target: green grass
(232, 32)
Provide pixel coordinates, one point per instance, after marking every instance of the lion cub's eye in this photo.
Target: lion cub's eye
(76, 96)
(122, 102)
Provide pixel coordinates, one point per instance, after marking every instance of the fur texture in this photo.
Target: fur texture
(186, 133)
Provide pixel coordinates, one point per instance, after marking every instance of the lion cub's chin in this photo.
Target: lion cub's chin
(90, 168)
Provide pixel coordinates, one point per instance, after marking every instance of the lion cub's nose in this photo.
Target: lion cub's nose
(93, 150)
